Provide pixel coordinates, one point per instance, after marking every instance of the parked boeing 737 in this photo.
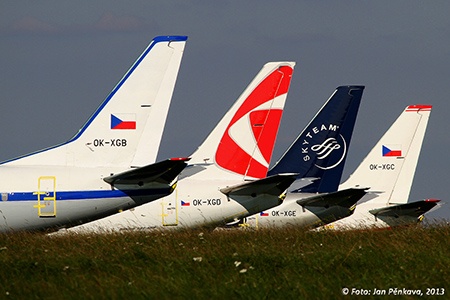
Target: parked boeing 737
(225, 178)
(388, 172)
(325, 141)
(108, 165)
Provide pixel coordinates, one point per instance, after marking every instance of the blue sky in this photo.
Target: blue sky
(60, 59)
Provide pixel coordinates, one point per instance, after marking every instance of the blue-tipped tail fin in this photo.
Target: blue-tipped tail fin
(126, 130)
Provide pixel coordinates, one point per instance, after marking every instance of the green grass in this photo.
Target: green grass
(227, 264)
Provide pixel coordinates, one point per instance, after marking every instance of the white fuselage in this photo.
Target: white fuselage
(195, 202)
(289, 213)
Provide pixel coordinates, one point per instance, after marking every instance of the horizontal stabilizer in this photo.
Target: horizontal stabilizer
(300, 183)
(345, 198)
(272, 185)
(163, 172)
(413, 209)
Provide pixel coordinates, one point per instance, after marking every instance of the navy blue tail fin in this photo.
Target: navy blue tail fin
(321, 149)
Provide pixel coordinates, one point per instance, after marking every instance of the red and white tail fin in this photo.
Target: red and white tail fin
(243, 141)
(389, 168)
(126, 129)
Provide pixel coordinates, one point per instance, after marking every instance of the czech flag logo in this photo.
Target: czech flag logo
(263, 214)
(388, 152)
(123, 121)
(185, 203)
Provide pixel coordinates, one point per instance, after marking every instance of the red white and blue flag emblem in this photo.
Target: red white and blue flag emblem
(392, 151)
(185, 203)
(123, 121)
(263, 214)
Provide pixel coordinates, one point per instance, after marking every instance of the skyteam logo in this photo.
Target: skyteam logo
(324, 146)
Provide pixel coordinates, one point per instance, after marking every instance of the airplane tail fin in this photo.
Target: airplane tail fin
(243, 141)
(390, 166)
(321, 148)
(126, 129)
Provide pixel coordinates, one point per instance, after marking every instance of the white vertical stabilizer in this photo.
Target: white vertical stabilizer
(390, 166)
(126, 129)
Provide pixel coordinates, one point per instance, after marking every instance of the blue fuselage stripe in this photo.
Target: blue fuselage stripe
(83, 195)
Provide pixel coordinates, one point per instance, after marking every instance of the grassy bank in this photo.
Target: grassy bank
(246, 264)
